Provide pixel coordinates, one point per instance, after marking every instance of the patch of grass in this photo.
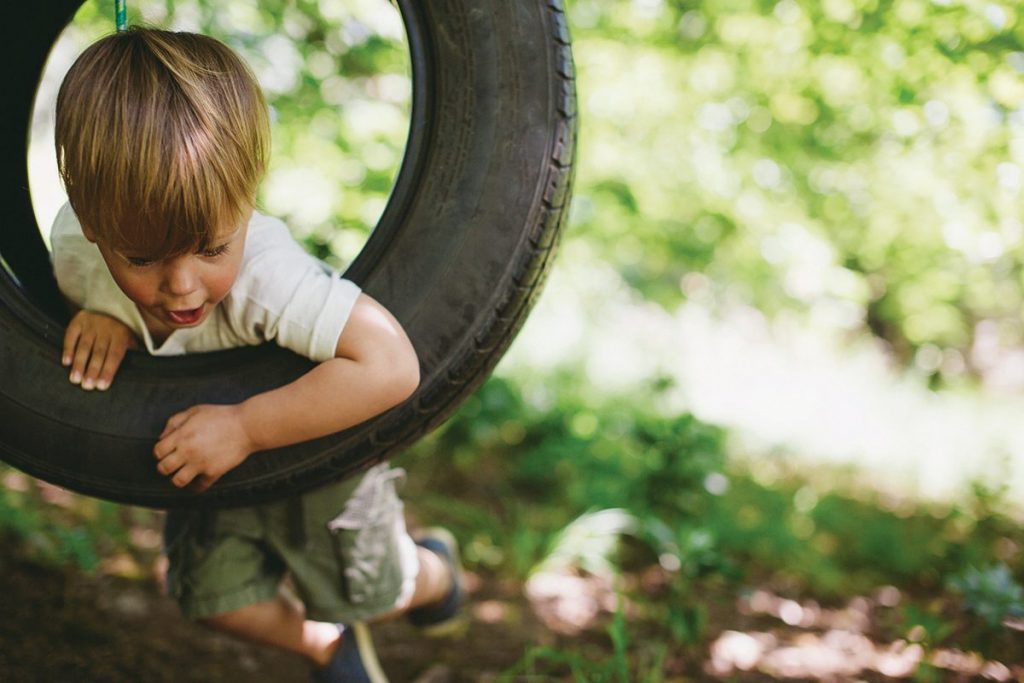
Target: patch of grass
(525, 469)
(53, 527)
(620, 661)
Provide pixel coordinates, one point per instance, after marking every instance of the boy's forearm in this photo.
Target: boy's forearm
(335, 395)
(375, 368)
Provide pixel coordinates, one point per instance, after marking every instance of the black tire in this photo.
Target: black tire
(459, 256)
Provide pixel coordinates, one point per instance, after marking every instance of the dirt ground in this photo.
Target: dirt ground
(63, 626)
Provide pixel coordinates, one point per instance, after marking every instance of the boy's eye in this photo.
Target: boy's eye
(217, 251)
(138, 261)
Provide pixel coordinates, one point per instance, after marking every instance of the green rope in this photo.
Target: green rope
(121, 9)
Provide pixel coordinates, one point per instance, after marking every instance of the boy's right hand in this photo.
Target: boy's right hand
(94, 346)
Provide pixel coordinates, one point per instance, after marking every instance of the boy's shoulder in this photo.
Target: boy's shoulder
(271, 251)
(77, 263)
(267, 234)
(284, 293)
(65, 226)
(267, 227)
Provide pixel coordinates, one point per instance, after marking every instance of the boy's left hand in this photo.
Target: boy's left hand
(201, 444)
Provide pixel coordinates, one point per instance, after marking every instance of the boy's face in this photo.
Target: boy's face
(180, 291)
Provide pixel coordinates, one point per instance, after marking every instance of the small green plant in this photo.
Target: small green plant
(627, 661)
(925, 627)
(75, 533)
(533, 460)
(990, 592)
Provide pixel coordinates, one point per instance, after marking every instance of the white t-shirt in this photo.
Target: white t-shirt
(282, 294)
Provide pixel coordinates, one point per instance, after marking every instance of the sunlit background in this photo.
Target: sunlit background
(782, 349)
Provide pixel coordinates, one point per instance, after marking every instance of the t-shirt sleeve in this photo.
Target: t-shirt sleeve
(83, 277)
(287, 296)
(71, 266)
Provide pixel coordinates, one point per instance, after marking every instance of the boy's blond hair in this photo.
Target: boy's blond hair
(162, 139)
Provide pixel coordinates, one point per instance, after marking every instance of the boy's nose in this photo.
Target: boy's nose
(179, 278)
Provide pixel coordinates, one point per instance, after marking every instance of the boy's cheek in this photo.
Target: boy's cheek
(134, 286)
(137, 295)
(220, 282)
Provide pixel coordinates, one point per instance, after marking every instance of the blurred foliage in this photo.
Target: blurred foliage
(51, 526)
(546, 459)
(835, 540)
(991, 593)
(858, 161)
(518, 474)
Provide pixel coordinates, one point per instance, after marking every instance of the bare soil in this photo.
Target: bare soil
(63, 624)
(66, 626)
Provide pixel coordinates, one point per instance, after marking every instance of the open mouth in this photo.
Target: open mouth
(187, 317)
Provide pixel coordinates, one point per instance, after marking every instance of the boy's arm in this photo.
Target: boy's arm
(375, 368)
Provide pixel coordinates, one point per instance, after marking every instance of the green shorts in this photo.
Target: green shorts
(344, 546)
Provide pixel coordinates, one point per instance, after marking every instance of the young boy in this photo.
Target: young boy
(162, 139)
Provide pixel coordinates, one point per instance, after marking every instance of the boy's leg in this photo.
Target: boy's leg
(283, 624)
(227, 585)
(357, 561)
(223, 577)
(434, 582)
(337, 653)
(226, 570)
(443, 616)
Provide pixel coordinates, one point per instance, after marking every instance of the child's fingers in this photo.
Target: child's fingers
(71, 336)
(184, 476)
(115, 354)
(83, 350)
(95, 366)
(170, 464)
(163, 448)
(176, 421)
